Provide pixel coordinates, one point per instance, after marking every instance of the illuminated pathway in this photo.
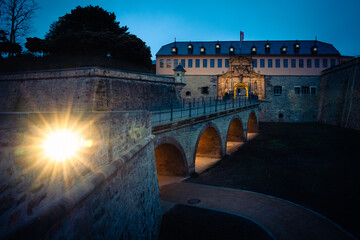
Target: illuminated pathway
(281, 219)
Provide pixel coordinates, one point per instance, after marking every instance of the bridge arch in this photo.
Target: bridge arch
(208, 147)
(170, 157)
(235, 134)
(252, 126)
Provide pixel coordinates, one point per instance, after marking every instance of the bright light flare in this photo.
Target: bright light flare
(61, 145)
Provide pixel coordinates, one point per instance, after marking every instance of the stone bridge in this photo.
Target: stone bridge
(109, 190)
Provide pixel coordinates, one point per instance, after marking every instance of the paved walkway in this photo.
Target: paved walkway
(283, 219)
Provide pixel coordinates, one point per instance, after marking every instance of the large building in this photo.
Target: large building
(285, 74)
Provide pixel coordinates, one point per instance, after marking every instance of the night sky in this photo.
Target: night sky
(159, 22)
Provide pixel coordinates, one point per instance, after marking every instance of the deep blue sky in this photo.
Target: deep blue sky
(159, 22)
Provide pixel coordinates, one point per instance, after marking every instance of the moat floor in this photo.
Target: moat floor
(312, 165)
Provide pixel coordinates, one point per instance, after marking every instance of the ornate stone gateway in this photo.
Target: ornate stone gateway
(241, 80)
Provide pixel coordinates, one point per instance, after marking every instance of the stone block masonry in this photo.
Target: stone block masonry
(110, 191)
(85, 89)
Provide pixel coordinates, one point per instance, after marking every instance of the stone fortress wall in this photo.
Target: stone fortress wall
(340, 95)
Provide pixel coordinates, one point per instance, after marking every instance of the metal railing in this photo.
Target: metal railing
(199, 107)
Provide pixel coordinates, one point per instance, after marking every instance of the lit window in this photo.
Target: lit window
(255, 63)
(212, 63)
(253, 50)
(174, 50)
(168, 63)
(190, 63)
(325, 63)
(190, 49)
(226, 63)
(308, 63)
(296, 48)
(269, 63)
(183, 62)
(293, 63)
(313, 90)
(286, 63)
(297, 90)
(277, 63)
(176, 63)
(314, 50)
(277, 90)
(205, 90)
(231, 50)
(220, 63)
(283, 50)
(301, 63)
(204, 63)
(267, 48)
(202, 50)
(317, 63)
(197, 63)
(217, 48)
(161, 63)
(305, 90)
(262, 63)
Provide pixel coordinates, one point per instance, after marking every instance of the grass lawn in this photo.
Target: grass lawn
(310, 164)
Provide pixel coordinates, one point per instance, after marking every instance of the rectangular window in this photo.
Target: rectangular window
(255, 63)
(293, 63)
(161, 63)
(219, 63)
(305, 90)
(183, 62)
(190, 63)
(277, 90)
(205, 90)
(301, 63)
(212, 63)
(197, 63)
(308, 63)
(277, 63)
(297, 90)
(313, 90)
(176, 63)
(262, 63)
(226, 63)
(168, 63)
(204, 63)
(285, 63)
(332, 62)
(325, 63)
(269, 63)
(317, 63)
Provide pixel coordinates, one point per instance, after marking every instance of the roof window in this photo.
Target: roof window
(314, 50)
(283, 50)
(190, 49)
(253, 50)
(217, 48)
(267, 47)
(231, 50)
(296, 47)
(203, 50)
(174, 50)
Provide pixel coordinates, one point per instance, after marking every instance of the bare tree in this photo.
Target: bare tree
(16, 17)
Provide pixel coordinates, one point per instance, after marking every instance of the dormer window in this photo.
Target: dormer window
(253, 50)
(231, 50)
(283, 50)
(202, 50)
(314, 50)
(174, 50)
(190, 49)
(217, 48)
(267, 48)
(296, 48)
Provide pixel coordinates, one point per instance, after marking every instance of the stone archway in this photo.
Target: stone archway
(252, 126)
(170, 161)
(208, 147)
(235, 135)
(239, 86)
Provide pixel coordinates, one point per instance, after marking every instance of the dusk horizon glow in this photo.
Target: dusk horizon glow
(159, 23)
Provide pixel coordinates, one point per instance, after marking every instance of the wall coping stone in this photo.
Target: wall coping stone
(48, 215)
(344, 65)
(85, 72)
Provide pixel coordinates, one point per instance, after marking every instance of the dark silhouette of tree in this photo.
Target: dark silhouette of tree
(37, 45)
(16, 17)
(94, 31)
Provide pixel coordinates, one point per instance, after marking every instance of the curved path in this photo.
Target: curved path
(283, 219)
